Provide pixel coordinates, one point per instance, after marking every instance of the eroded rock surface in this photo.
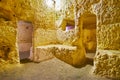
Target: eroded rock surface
(107, 63)
(8, 47)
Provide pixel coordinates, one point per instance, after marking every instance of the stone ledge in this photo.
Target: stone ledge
(58, 46)
(107, 63)
(47, 52)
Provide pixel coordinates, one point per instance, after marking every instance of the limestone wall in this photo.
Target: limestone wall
(43, 19)
(68, 37)
(108, 38)
(64, 16)
(8, 47)
(108, 25)
(65, 37)
(108, 34)
(37, 12)
(44, 24)
(106, 63)
(107, 11)
(45, 34)
(44, 37)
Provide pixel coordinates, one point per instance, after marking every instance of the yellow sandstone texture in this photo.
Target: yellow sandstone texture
(106, 62)
(96, 28)
(8, 47)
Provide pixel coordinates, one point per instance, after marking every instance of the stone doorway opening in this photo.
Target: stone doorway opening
(89, 34)
(70, 24)
(24, 39)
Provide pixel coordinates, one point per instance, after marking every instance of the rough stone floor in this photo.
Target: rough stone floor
(53, 69)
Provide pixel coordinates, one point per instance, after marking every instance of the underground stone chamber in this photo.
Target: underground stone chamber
(87, 27)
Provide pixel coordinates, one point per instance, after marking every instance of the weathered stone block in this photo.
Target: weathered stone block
(68, 54)
(107, 63)
(43, 53)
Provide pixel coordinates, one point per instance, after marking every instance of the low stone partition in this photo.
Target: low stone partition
(43, 53)
(47, 52)
(65, 53)
(69, 54)
(107, 63)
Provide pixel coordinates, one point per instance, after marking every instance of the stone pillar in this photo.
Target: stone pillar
(79, 56)
(107, 59)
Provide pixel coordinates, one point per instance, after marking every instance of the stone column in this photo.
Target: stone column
(107, 59)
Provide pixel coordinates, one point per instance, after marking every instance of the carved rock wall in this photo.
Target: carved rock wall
(107, 11)
(45, 37)
(43, 19)
(37, 12)
(8, 48)
(65, 37)
(108, 38)
(106, 61)
(65, 16)
(44, 24)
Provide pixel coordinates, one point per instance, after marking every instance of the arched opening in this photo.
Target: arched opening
(89, 34)
(24, 38)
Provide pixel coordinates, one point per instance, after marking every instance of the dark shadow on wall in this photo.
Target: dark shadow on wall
(89, 61)
(24, 57)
